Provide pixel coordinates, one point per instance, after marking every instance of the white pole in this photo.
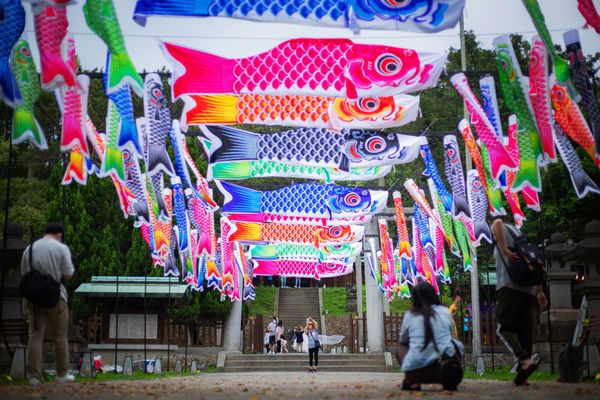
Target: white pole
(476, 318)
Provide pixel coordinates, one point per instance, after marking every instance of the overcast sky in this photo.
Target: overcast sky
(237, 38)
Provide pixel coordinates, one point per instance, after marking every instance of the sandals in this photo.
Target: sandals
(413, 388)
(525, 373)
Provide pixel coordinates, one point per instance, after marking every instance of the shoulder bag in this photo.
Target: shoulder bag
(39, 288)
(528, 269)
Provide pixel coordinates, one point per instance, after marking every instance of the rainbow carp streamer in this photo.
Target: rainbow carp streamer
(312, 67)
(511, 83)
(276, 251)
(500, 160)
(539, 94)
(444, 216)
(300, 111)
(24, 125)
(412, 16)
(101, 17)
(583, 83)
(561, 68)
(304, 199)
(295, 234)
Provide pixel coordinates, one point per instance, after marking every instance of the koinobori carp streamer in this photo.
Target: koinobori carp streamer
(301, 111)
(413, 16)
(329, 67)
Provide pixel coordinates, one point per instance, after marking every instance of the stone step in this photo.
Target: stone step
(301, 356)
(337, 368)
(324, 363)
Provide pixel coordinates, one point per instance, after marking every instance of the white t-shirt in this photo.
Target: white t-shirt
(271, 327)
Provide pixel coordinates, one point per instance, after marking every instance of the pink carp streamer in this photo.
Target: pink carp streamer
(313, 67)
(589, 12)
(500, 160)
(511, 196)
(471, 145)
(539, 93)
(227, 259)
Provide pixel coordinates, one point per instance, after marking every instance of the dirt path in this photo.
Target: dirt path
(298, 385)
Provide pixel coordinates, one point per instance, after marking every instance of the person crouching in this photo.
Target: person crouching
(428, 353)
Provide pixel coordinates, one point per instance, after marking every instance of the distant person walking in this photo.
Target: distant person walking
(50, 257)
(266, 341)
(314, 343)
(297, 282)
(299, 332)
(272, 327)
(515, 308)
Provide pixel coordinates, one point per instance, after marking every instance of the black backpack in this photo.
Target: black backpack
(451, 371)
(39, 288)
(528, 270)
(570, 364)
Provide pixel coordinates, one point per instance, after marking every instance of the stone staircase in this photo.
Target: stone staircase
(237, 362)
(294, 305)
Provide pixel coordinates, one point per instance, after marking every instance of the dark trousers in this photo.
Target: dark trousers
(515, 312)
(428, 374)
(313, 352)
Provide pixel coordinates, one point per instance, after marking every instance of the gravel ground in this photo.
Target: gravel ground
(278, 385)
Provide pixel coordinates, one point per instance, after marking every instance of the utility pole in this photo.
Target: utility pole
(476, 320)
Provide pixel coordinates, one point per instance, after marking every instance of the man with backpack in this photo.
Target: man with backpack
(45, 265)
(519, 276)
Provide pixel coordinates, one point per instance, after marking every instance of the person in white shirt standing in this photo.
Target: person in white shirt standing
(271, 328)
(49, 256)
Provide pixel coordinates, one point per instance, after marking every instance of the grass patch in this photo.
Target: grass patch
(265, 301)
(334, 301)
(504, 374)
(111, 376)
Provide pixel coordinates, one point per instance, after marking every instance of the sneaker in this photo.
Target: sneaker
(34, 381)
(65, 379)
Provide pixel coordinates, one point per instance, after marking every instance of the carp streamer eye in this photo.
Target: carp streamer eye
(579, 55)
(388, 64)
(397, 3)
(352, 199)
(157, 93)
(476, 184)
(450, 152)
(335, 231)
(560, 94)
(375, 144)
(25, 52)
(368, 104)
(126, 155)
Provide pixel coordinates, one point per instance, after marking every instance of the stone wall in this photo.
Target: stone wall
(338, 325)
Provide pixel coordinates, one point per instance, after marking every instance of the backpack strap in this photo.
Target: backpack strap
(31, 257)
